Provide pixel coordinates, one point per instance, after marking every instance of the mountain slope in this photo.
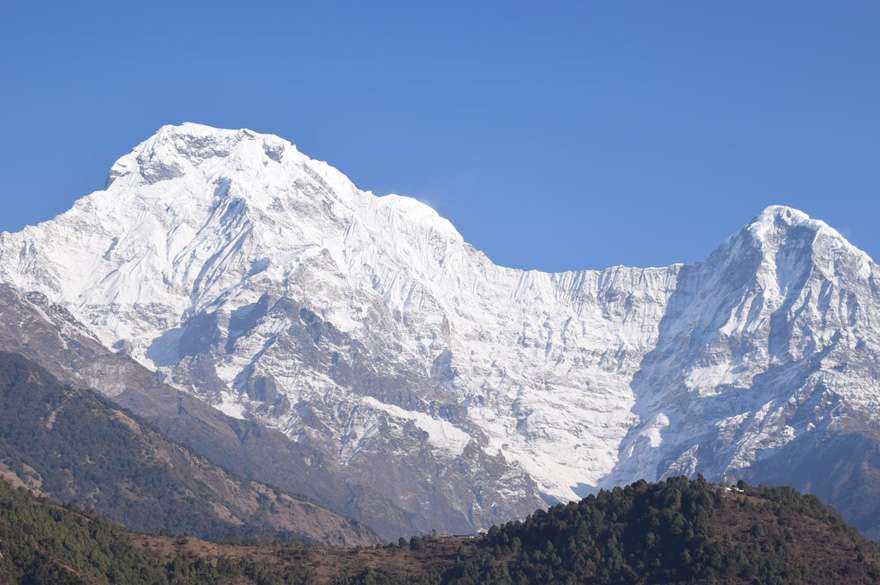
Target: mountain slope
(50, 545)
(697, 534)
(674, 532)
(679, 531)
(366, 329)
(49, 335)
(43, 543)
(77, 446)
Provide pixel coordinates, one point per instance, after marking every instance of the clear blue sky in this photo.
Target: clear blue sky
(554, 135)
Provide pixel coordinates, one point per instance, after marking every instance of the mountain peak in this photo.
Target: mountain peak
(174, 148)
(781, 226)
(776, 217)
(186, 133)
(266, 171)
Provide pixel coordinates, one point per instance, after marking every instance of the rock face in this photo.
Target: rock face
(366, 329)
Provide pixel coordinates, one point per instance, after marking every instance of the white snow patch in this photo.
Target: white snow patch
(442, 434)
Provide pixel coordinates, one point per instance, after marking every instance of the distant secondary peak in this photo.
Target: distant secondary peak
(784, 232)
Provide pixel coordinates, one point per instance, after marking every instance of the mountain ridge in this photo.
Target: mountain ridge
(365, 327)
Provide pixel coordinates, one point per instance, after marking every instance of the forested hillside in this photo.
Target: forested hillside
(673, 532)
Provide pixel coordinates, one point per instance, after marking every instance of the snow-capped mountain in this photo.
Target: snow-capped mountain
(267, 284)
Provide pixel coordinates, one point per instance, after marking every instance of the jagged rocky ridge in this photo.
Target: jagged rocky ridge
(366, 329)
